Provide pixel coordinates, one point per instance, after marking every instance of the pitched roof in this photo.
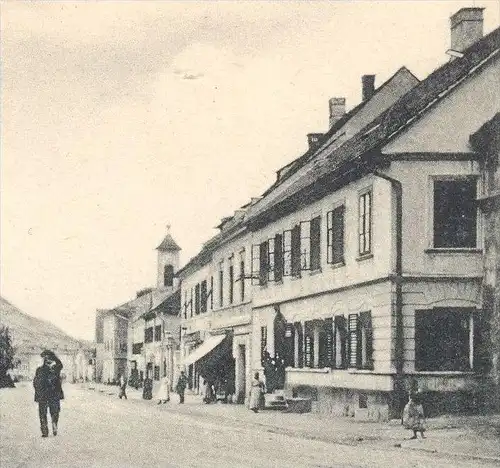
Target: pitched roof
(403, 113)
(168, 244)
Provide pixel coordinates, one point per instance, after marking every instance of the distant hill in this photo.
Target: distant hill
(31, 334)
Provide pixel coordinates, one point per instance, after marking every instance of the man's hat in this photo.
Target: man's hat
(47, 353)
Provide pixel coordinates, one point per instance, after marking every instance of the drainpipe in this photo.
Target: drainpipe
(399, 338)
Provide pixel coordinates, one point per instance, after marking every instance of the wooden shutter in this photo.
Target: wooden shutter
(300, 344)
(338, 235)
(341, 335)
(328, 343)
(353, 340)
(296, 250)
(365, 319)
(255, 264)
(289, 345)
(315, 240)
(263, 263)
(309, 344)
(278, 257)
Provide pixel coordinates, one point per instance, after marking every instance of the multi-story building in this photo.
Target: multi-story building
(143, 334)
(377, 287)
(486, 141)
(216, 310)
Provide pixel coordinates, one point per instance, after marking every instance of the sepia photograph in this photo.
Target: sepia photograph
(254, 233)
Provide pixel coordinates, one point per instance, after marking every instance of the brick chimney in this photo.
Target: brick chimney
(466, 28)
(314, 140)
(367, 86)
(337, 109)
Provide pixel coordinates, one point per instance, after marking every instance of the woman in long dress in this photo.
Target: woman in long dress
(256, 393)
(163, 394)
(413, 416)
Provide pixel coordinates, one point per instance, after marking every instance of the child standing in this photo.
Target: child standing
(413, 415)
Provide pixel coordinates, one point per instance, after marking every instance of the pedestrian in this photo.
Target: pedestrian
(48, 391)
(123, 387)
(413, 415)
(256, 393)
(209, 394)
(147, 388)
(180, 388)
(163, 394)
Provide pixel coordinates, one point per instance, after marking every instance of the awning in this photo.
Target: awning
(208, 345)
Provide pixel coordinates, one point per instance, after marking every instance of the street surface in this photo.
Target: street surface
(98, 430)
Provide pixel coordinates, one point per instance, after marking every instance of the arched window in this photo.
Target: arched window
(168, 275)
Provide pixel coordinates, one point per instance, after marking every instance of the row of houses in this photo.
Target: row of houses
(369, 268)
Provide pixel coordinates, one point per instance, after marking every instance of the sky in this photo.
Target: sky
(120, 118)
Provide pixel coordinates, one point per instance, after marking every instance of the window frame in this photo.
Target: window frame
(331, 236)
(231, 279)
(431, 211)
(362, 225)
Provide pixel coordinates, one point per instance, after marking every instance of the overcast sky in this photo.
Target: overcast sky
(119, 118)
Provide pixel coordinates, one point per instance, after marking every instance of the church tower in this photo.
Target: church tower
(168, 261)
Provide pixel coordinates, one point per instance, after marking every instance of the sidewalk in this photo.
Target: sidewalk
(473, 437)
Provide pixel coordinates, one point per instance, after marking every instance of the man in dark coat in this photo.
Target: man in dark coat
(48, 391)
(180, 388)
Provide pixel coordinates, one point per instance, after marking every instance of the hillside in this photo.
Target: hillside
(30, 333)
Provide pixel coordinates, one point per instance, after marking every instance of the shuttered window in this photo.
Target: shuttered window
(353, 340)
(309, 344)
(326, 344)
(340, 338)
(278, 257)
(211, 293)
(366, 339)
(158, 333)
(305, 245)
(242, 276)
(335, 235)
(289, 345)
(300, 344)
(295, 251)
(315, 241)
(270, 259)
(287, 253)
(255, 264)
(263, 263)
(197, 299)
(203, 298)
(221, 284)
(231, 280)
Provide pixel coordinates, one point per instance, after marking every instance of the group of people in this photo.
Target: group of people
(163, 394)
(49, 393)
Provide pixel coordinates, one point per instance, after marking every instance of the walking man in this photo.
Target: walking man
(180, 388)
(123, 387)
(48, 391)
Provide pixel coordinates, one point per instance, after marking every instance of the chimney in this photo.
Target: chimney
(466, 28)
(337, 109)
(367, 86)
(314, 140)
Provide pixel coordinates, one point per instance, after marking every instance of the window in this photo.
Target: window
(203, 296)
(197, 299)
(256, 264)
(309, 344)
(299, 341)
(263, 263)
(158, 333)
(455, 216)
(365, 223)
(305, 245)
(289, 345)
(360, 341)
(443, 339)
(231, 280)
(295, 251)
(211, 293)
(278, 257)
(263, 343)
(335, 235)
(242, 276)
(148, 335)
(137, 348)
(325, 357)
(315, 243)
(340, 336)
(221, 284)
(287, 253)
(270, 260)
(168, 275)
(191, 303)
(185, 304)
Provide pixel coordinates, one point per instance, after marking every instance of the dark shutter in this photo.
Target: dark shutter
(365, 319)
(263, 263)
(353, 341)
(256, 264)
(328, 352)
(204, 297)
(300, 344)
(341, 336)
(289, 345)
(338, 235)
(316, 243)
(309, 344)
(296, 250)
(278, 257)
